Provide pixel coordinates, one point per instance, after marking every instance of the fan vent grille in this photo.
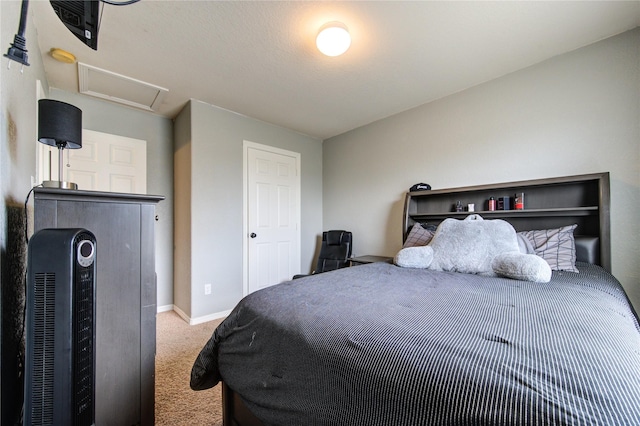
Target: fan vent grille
(44, 340)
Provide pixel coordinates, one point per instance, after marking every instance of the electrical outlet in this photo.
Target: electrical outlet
(207, 289)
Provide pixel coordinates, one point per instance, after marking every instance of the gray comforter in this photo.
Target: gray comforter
(383, 345)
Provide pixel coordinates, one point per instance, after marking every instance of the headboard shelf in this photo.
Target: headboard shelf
(565, 211)
(548, 203)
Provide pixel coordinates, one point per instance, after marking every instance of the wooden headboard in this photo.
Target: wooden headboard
(548, 203)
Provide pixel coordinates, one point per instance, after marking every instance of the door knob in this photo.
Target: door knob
(253, 235)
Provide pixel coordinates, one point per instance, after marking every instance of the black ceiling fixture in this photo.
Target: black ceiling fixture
(82, 17)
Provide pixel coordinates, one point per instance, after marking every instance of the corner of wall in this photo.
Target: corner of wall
(182, 210)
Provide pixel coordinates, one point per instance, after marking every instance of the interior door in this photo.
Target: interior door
(106, 162)
(272, 201)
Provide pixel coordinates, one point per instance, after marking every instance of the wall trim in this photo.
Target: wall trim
(202, 319)
(165, 308)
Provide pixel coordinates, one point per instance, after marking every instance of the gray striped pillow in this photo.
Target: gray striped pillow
(556, 246)
(418, 236)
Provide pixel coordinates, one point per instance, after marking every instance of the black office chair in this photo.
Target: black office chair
(334, 252)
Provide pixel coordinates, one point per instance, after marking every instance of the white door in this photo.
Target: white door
(105, 162)
(272, 206)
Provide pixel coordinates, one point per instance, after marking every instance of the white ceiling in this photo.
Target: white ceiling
(259, 58)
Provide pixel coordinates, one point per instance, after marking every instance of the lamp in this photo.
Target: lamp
(59, 125)
(333, 39)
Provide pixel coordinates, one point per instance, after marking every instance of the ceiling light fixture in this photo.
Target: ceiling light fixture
(333, 39)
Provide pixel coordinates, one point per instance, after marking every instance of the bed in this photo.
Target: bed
(380, 344)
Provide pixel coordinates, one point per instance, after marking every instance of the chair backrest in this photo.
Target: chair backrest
(335, 251)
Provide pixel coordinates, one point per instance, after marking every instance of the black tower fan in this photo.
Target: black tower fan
(60, 328)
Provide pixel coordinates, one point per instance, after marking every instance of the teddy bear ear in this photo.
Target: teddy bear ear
(474, 217)
(414, 257)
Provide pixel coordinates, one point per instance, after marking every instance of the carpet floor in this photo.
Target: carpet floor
(177, 346)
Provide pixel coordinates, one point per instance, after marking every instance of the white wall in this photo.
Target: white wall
(573, 114)
(18, 126)
(215, 241)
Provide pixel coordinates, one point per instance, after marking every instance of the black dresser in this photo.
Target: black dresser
(123, 225)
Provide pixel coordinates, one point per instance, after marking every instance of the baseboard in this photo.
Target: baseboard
(211, 317)
(165, 308)
(203, 319)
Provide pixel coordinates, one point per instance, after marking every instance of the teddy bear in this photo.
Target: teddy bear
(476, 246)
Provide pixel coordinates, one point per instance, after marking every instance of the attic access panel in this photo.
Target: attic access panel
(118, 88)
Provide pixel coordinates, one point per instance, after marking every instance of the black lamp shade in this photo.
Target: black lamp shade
(59, 124)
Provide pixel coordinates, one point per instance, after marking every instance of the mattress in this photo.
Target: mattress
(382, 345)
